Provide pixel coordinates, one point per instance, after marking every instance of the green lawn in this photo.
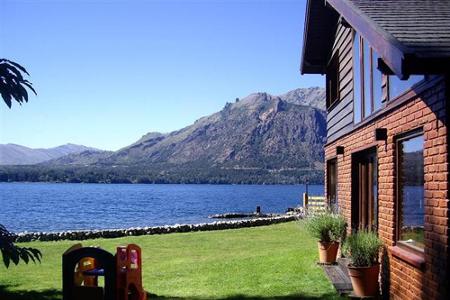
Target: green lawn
(271, 262)
(416, 235)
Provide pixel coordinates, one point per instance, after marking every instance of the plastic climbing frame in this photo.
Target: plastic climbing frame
(122, 273)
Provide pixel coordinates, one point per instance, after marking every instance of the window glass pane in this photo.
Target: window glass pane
(356, 81)
(333, 80)
(374, 216)
(411, 192)
(332, 184)
(376, 82)
(397, 86)
(366, 65)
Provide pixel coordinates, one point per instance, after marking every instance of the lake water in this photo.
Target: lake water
(57, 207)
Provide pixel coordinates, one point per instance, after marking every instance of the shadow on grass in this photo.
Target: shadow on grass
(6, 294)
(246, 297)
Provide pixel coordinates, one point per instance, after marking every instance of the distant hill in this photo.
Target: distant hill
(259, 139)
(12, 154)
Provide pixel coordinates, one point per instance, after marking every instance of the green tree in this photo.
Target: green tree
(14, 253)
(13, 85)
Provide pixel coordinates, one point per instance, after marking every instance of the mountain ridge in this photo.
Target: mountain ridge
(238, 127)
(260, 138)
(14, 154)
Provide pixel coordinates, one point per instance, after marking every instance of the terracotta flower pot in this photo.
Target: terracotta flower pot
(365, 280)
(328, 252)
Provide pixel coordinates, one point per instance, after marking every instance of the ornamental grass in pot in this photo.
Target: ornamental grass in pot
(329, 229)
(363, 248)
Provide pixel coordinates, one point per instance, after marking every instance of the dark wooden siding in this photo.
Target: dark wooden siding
(340, 115)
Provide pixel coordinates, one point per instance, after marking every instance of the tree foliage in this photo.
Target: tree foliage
(13, 253)
(13, 85)
(163, 173)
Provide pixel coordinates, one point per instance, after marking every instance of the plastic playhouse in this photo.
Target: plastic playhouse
(121, 273)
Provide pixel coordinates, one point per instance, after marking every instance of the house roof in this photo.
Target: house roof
(411, 36)
(318, 36)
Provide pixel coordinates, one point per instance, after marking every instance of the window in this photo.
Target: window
(332, 184)
(356, 80)
(398, 86)
(376, 83)
(364, 208)
(333, 81)
(366, 66)
(367, 80)
(410, 191)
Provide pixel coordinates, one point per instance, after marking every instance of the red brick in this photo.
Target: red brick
(427, 111)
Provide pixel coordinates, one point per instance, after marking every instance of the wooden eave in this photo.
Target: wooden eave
(398, 58)
(317, 37)
(389, 48)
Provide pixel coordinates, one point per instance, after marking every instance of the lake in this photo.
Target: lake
(58, 207)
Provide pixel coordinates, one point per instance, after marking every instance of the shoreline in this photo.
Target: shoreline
(162, 183)
(23, 237)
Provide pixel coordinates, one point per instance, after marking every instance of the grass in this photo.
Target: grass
(271, 262)
(415, 234)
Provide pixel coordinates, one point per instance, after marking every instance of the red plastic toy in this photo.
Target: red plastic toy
(122, 274)
(129, 273)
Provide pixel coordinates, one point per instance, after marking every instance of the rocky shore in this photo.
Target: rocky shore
(242, 215)
(135, 231)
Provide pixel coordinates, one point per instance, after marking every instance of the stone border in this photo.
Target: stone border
(135, 231)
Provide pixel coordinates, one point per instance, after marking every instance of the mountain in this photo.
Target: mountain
(259, 131)
(258, 139)
(314, 96)
(12, 154)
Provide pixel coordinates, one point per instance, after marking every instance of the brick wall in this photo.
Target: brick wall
(426, 110)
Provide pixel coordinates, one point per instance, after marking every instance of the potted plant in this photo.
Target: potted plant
(363, 248)
(328, 229)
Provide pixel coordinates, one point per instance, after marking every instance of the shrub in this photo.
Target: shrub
(327, 227)
(362, 248)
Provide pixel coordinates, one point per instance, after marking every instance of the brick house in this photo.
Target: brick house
(387, 67)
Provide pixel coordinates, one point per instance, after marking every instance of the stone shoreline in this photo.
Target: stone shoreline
(135, 231)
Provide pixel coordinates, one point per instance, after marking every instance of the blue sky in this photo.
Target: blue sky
(108, 72)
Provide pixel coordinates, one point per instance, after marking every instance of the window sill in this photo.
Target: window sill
(413, 259)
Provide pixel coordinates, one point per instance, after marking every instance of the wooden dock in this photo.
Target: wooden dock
(338, 275)
(314, 204)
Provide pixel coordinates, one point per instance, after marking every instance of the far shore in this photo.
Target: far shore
(158, 183)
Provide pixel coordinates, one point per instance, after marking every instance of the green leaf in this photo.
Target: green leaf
(15, 257)
(7, 98)
(29, 85)
(36, 253)
(24, 255)
(17, 66)
(6, 259)
(13, 86)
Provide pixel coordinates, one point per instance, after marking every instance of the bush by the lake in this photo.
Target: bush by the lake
(327, 227)
(362, 248)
